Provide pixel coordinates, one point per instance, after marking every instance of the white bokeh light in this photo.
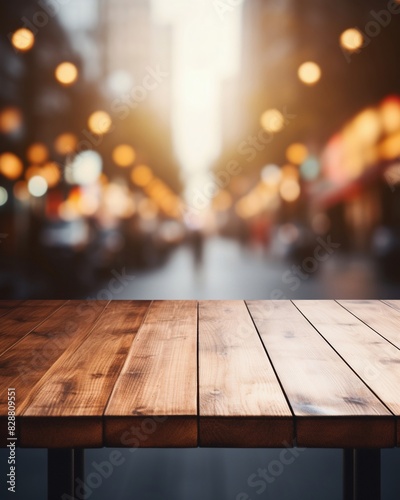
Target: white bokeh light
(37, 186)
(85, 168)
(3, 196)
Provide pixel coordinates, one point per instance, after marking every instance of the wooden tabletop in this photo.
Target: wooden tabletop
(210, 373)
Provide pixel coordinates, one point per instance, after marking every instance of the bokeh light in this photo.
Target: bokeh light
(309, 73)
(366, 127)
(37, 186)
(351, 39)
(124, 155)
(23, 39)
(272, 120)
(66, 143)
(66, 73)
(390, 115)
(271, 174)
(296, 153)
(10, 166)
(37, 153)
(289, 190)
(310, 168)
(99, 122)
(10, 120)
(141, 175)
(51, 172)
(86, 168)
(3, 196)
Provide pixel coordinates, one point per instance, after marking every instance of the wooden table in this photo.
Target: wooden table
(210, 373)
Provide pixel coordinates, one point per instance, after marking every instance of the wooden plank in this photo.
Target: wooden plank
(7, 305)
(241, 401)
(66, 409)
(23, 319)
(23, 365)
(395, 304)
(154, 401)
(333, 407)
(379, 316)
(375, 360)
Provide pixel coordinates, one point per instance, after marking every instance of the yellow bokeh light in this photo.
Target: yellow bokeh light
(23, 39)
(99, 122)
(37, 153)
(66, 73)
(10, 166)
(366, 127)
(124, 155)
(390, 147)
(309, 73)
(10, 120)
(296, 153)
(66, 143)
(272, 120)
(390, 115)
(141, 175)
(51, 172)
(289, 190)
(351, 39)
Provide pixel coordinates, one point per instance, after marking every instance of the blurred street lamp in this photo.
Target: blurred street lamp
(65, 143)
(271, 175)
(309, 73)
(351, 39)
(85, 168)
(3, 196)
(99, 122)
(296, 153)
(289, 190)
(23, 39)
(141, 175)
(51, 173)
(66, 73)
(272, 120)
(37, 153)
(124, 155)
(10, 166)
(37, 186)
(10, 120)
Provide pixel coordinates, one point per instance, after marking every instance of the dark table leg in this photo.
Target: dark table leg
(64, 466)
(361, 474)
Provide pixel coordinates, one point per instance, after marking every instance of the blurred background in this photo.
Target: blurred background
(209, 149)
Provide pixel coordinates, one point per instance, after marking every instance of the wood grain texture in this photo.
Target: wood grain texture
(23, 319)
(333, 407)
(154, 401)
(395, 304)
(376, 361)
(379, 316)
(23, 365)
(241, 401)
(73, 393)
(7, 305)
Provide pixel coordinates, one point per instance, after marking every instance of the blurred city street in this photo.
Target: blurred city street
(231, 271)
